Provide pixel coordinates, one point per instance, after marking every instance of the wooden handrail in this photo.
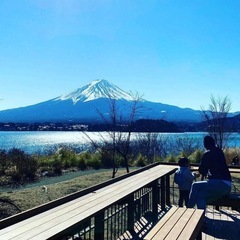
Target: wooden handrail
(44, 207)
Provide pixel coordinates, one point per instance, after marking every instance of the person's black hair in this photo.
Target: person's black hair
(183, 162)
(208, 142)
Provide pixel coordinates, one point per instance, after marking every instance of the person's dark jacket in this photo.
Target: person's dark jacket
(214, 165)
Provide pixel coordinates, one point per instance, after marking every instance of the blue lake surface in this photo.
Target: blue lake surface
(41, 142)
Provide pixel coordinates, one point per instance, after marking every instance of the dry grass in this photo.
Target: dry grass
(35, 196)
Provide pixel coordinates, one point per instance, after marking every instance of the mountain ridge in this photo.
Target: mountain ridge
(87, 103)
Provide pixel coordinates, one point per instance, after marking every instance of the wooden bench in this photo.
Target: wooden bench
(231, 200)
(178, 223)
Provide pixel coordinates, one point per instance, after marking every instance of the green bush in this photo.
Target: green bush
(106, 158)
(158, 159)
(23, 167)
(43, 161)
(172, 158)
(94, 163)
(67, 156)
(86, 155)
(141, 161)
(57, 166)
(16, 158)
(81, 164)
(196, 156)
(30, 168)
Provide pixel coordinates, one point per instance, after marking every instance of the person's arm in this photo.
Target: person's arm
(189, 175)
(203, 167)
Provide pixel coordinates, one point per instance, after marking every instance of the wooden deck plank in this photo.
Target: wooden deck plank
(164, 231)
(193, 223)
(160, 224)
(180, 225)
(166, 228)
(210, 232)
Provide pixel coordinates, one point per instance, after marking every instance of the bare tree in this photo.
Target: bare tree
(146, 145)
(151, 145)
(108, 143)
(216, 118)
(187, 144)
(119, 131)
(124, 144)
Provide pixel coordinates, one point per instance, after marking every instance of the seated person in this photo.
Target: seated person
(218, 183)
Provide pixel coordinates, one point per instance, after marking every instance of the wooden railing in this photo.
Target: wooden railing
(127, 205)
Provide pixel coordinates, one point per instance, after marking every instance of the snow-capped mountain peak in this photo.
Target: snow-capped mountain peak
(99, 88)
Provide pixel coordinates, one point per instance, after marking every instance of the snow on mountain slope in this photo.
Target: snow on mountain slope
(96, 89)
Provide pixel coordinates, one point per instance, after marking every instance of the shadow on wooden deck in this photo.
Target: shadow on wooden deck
(222, 224)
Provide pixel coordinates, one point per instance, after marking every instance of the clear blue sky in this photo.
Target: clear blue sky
(178, 52)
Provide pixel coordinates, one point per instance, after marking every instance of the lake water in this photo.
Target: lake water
(42, 142)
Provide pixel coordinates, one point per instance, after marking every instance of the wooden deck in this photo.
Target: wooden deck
(222, 224)
(218, 225)
(54, 223)
(63, 216)
(178, 223)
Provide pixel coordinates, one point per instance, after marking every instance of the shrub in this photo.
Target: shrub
(106, 158)
(31, 167)
(81, 164)
(158, 159)
(171, 158)
(83, 160)
(67, 156)
(4, 162)
(94, 163)
(44, 161)
(57, 166)
(16, 158)
(16, 179)
(23, 166)
(141, 161)
(86, 155)
(196, 156)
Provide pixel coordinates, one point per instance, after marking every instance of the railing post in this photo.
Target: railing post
(163, 193)
(168, 201)
(99, 226)
(155, 200)
(131, 209)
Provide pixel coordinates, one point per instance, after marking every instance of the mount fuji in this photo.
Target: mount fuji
(89, 103)
(95, 90)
